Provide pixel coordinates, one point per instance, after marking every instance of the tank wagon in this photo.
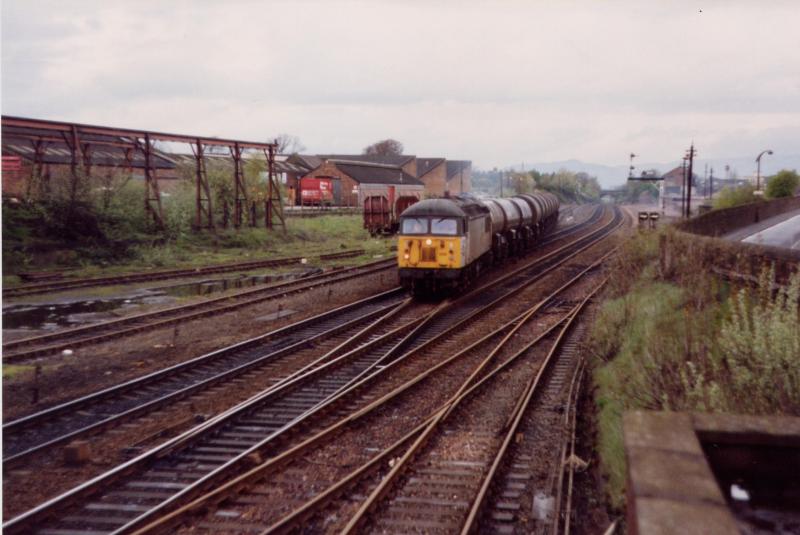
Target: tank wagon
(447, 243)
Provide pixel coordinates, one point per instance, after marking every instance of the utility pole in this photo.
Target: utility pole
(692, 154)
(683, 188)
(711, 184)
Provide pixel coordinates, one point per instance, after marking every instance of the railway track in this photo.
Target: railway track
(440, 481)
(273, 496)
(47, 344)
(37, 346)
(131, 278)
(107, 409)
(523, 488)
(164, 478)
(110, 407)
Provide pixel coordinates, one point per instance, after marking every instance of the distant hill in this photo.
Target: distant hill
(612, 176)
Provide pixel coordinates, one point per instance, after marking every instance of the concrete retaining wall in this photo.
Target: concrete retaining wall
(731, 258)
(721, 222)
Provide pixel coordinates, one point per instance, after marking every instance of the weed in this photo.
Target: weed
(673, 337)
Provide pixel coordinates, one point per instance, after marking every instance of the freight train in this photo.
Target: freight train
(447, 243)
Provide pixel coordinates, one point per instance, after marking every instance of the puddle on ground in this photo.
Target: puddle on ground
(73, 312)
(206, 287)
(760, 483)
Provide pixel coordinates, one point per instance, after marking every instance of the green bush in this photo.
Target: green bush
(677, 339)
(784, 184)
(730, 197)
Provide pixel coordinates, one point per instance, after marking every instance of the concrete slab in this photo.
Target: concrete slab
(655, 516)
(671, 431)
(751, 231)
(672, 485)
(785, 234)
(672, 475)
(738, 428)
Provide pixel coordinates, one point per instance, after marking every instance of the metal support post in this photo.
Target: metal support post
(152, 195)
(74, 146)
(37, 174)
(204, 214)
(86, 149)
(274, 205)
(239, 191)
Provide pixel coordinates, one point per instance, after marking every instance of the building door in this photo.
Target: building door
(337, 192)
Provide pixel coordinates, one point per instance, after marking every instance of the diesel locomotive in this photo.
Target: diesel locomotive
(447, 243)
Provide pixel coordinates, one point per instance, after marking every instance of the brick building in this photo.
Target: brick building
(433, 173)
(459, 176)
(303, 164)
(673, 183)
(407, 163)
(438, 176)
(352, 180)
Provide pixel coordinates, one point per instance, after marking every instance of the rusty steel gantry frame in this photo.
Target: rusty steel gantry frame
(82, 138)
(273, 206)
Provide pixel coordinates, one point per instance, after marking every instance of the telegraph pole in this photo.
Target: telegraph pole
(683, 188)
(691, 156)
(711, 184)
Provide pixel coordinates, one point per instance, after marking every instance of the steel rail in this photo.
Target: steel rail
(570, 421)
(218, 493)
(294, 519)
(19, 523)
(44, 509)
(180, 392)
(403, 464)
(430, 318)
(470, 524)
(129, 325)
(145, 276)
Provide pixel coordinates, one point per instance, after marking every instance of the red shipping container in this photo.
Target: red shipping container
(316, 190)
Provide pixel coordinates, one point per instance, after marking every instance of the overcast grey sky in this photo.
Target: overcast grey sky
(495, 82)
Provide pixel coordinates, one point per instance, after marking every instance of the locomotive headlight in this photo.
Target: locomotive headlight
(428, 241)
(406, 256)
(451, 247)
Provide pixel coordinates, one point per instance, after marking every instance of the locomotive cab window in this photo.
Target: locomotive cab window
(444, 226)
(414, 225)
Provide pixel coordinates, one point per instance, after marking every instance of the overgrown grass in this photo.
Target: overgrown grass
(26, 245)
(672, 337)
(12, 370)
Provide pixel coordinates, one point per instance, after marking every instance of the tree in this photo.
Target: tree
(784, 184)
(289, 144)
(635, 191)
(569, 186)
(730, 197)
(385, 147)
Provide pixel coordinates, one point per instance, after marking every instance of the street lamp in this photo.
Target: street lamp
(758, 172)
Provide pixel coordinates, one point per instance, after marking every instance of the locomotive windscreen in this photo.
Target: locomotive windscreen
(444, 226)
(414, 225)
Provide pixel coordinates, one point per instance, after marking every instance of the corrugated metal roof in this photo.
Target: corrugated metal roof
(366, 173)
(59, 154)
(388, 159)
(307, 161)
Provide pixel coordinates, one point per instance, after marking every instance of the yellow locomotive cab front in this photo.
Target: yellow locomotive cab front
(429, 252)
